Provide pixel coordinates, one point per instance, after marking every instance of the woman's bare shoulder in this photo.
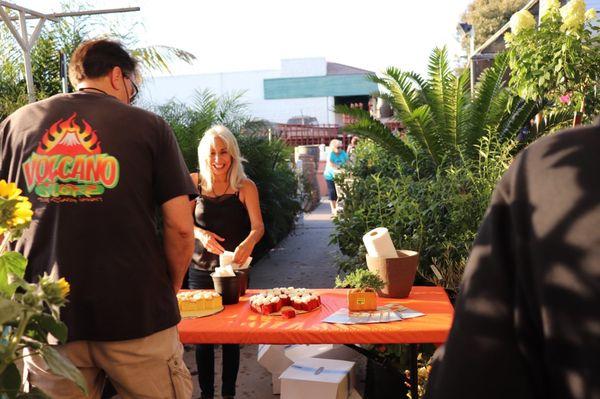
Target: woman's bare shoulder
(248, 184)
(247, 188)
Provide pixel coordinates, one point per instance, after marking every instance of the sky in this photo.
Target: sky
(241, 35)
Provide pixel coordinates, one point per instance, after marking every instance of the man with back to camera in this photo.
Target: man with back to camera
(96, 170)
(527, 321)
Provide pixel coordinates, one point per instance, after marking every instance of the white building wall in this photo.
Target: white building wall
(160, 90)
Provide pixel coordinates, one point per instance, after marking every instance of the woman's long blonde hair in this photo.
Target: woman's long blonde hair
(236, 169)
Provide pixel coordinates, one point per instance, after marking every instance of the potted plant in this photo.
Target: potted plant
(29, 313)
(364, 285)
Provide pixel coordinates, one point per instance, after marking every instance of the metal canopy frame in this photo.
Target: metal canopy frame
(27, 41)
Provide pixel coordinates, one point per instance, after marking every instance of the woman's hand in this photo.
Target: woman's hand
(210, 241)
(242, 252)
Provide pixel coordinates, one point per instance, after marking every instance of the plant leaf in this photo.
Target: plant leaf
(62, 366)
(11, 263)
(366, 126)
(10, 381)
(8, 310)
(52, 325)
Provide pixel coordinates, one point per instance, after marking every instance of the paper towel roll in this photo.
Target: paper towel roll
(379, 243)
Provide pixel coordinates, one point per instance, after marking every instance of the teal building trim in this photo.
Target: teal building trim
(319, 86)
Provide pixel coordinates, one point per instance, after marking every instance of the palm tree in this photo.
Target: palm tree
(444, 122)
(63, 37)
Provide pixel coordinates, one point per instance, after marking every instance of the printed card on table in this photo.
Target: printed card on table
(383, 314)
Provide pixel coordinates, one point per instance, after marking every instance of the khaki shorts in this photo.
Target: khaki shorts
(149, 367)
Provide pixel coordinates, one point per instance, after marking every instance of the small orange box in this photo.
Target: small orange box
(362, 300)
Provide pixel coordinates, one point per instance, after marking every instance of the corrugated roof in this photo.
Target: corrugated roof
(333, 68)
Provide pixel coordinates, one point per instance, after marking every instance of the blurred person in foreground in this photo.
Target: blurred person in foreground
(527, 321)
(97, 170)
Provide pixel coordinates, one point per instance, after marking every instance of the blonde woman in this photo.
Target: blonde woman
(335, 160)
(227, 217)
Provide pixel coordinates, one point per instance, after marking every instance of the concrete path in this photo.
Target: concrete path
(303, 259)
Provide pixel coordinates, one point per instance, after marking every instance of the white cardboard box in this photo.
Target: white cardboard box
(276, 384)
(277, 358)
(318, 378)
(340, 352)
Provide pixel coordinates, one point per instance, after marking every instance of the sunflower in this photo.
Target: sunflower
(9, 191)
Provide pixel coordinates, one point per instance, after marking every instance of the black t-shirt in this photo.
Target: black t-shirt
(527, 322)
(97, 171)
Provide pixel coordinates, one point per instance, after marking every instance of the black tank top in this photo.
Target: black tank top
(226, 216)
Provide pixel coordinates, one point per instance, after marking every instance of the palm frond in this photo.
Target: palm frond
(158, 57)
(458, 110)
(490, 84)
(520, 113)
(406, 100)
(552, 122)
(438, 94)
(499, 108)
(204, 110)
(366, 126)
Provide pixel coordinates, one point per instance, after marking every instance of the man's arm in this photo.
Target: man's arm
(178, 237)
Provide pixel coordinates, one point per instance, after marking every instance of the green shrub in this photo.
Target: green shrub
(437, 215)
(269, 167)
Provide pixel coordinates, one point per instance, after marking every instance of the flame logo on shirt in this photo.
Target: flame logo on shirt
(66, 137)
(69, 162)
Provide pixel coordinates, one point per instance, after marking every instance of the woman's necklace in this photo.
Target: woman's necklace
(92, 88)
(224, 192)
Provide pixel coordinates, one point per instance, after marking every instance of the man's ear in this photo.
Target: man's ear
(116, 75)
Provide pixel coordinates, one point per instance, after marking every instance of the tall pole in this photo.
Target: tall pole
(27, 57)
(471, 63)
(64, 72)
(27, 42)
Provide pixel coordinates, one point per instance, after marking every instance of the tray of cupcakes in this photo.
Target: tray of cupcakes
(285, 302)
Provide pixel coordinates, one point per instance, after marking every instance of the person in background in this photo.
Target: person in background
(97, 170)
(227, 217)
(335, 160)
(527, 320)
(352, 148)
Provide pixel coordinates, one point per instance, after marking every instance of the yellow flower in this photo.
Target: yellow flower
(548, 6)
(520, 21)
(573, 15)
(64, 286)
(9, 190)
(591, 15)
(22, 212)
(54, 291)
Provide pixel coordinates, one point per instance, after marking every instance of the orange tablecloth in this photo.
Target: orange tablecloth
(238, 324)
